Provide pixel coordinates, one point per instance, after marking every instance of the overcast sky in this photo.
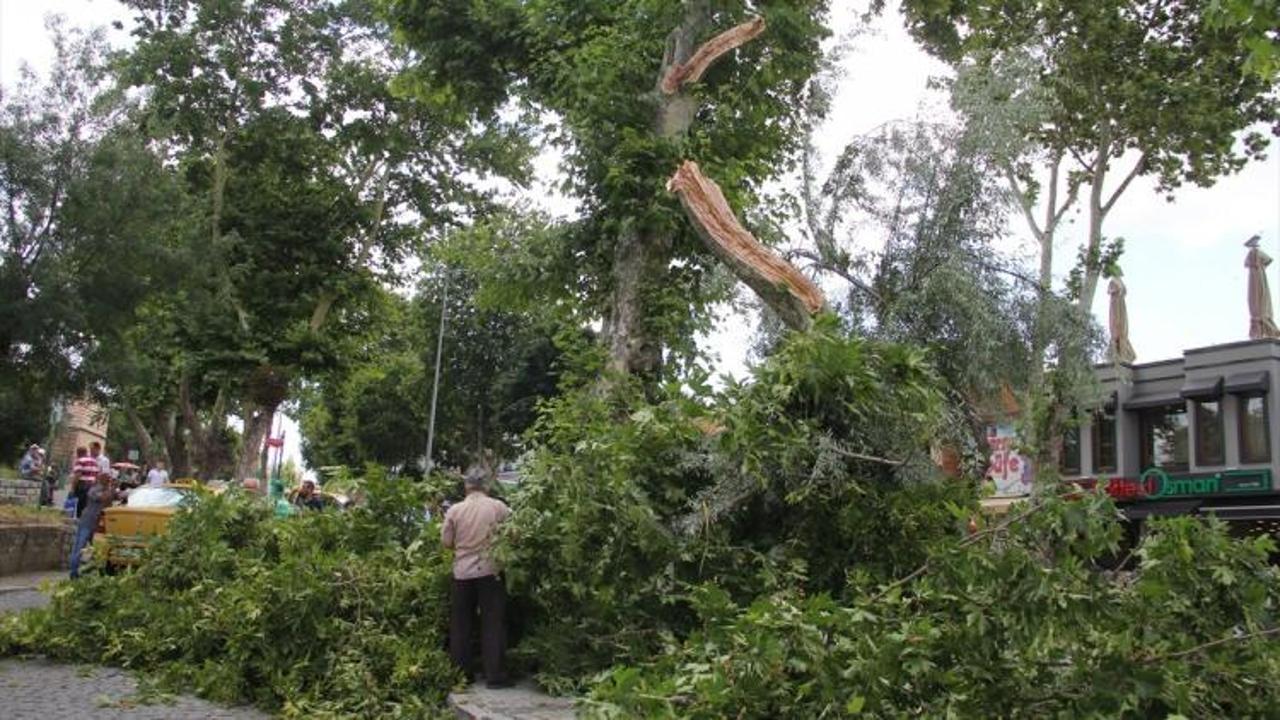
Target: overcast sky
(1183, 263)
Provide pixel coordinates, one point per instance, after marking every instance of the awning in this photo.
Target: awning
(1249, 383)
(1208, 388)
(1142, 402)
(1244, 512)
(1162, 508)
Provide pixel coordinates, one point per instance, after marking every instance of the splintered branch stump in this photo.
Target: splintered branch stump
(709, 52)
(786, 290)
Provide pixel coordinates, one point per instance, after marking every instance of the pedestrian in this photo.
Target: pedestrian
(104, 462)
(307, 497)
(157, 475)
(468, 529)
(31, 464)
(83, 475)
(99, 497)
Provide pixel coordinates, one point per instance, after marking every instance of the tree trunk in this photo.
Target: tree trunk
(140, 432)
(257, 426)
(642, 256)
(1097, 213)
(174, 436)
(266, 389)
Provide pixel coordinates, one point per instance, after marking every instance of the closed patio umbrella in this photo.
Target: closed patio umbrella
(1121, 348)
(1261, 322)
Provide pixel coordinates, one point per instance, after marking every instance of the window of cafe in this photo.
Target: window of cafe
(1209, 432)
(1069, 462)
(1165, 441)
(1255, 446)
(1104, 442)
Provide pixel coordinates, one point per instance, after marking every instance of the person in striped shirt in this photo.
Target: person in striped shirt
(83, 473)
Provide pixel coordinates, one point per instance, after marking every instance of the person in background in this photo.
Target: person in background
(307, 497)
(468, 529)
(104, 462)
(32, 463)
(99, 496)
(157, 475)
(83, 474)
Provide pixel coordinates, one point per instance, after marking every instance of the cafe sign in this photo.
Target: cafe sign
(1157, 484)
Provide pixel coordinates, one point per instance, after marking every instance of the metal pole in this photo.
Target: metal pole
(435, 384)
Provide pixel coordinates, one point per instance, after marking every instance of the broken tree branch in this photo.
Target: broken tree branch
(786, 290)
(709, 52)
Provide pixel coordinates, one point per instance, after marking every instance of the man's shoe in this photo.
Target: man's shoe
(500, 684)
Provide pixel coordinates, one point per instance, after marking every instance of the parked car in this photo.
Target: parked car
(124, 530)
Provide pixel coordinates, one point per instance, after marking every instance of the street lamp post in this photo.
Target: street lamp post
(435, 384)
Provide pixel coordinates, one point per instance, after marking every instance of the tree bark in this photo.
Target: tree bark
(140, 432)
(257, 425)
(1097, 213)
(266, 388)
(642, 255)
(791, 295)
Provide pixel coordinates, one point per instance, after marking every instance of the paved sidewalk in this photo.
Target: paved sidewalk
(523, 702)
(40, 690)
(19, 592)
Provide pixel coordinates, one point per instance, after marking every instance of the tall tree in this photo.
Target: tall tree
(316, 181)
(1123, 89)
(624, 81)
(53, 138)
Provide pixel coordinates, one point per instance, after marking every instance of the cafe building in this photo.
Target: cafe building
(1192, 435)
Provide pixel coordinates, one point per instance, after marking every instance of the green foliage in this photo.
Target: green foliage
(1015, 621)
(374, 406)
(799, 479)
(1256, 24)
(318, 615)
(586, 71)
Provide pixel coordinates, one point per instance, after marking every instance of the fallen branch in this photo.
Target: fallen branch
(869, 458)
(1036, 506)
(708, 53)
(1214, 643)
(786, 290)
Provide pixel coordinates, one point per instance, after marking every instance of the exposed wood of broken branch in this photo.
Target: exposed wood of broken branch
(709, 52)
(794, 297)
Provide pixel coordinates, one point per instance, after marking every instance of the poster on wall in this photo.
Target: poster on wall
(1008, 471)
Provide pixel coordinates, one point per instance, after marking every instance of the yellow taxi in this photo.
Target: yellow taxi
(124, 530)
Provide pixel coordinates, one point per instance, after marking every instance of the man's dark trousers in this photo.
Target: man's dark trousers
(488, 593)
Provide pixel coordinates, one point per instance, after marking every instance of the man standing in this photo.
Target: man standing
(99, 497)
(468, 529)
(104, 462)
(157, 475)
(83, 474)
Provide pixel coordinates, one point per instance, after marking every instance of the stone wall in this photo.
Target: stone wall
(15, 491)
(31, 548)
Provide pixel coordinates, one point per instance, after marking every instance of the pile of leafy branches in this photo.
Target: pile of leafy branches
(317, 615)
(815, 471)
(1014, 621)
(783, 548)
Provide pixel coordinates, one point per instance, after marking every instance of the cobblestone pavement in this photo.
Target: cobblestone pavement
(41, 690)
(19, 592)
(524, 701)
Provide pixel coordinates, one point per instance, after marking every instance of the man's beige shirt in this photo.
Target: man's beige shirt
(468, 529)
